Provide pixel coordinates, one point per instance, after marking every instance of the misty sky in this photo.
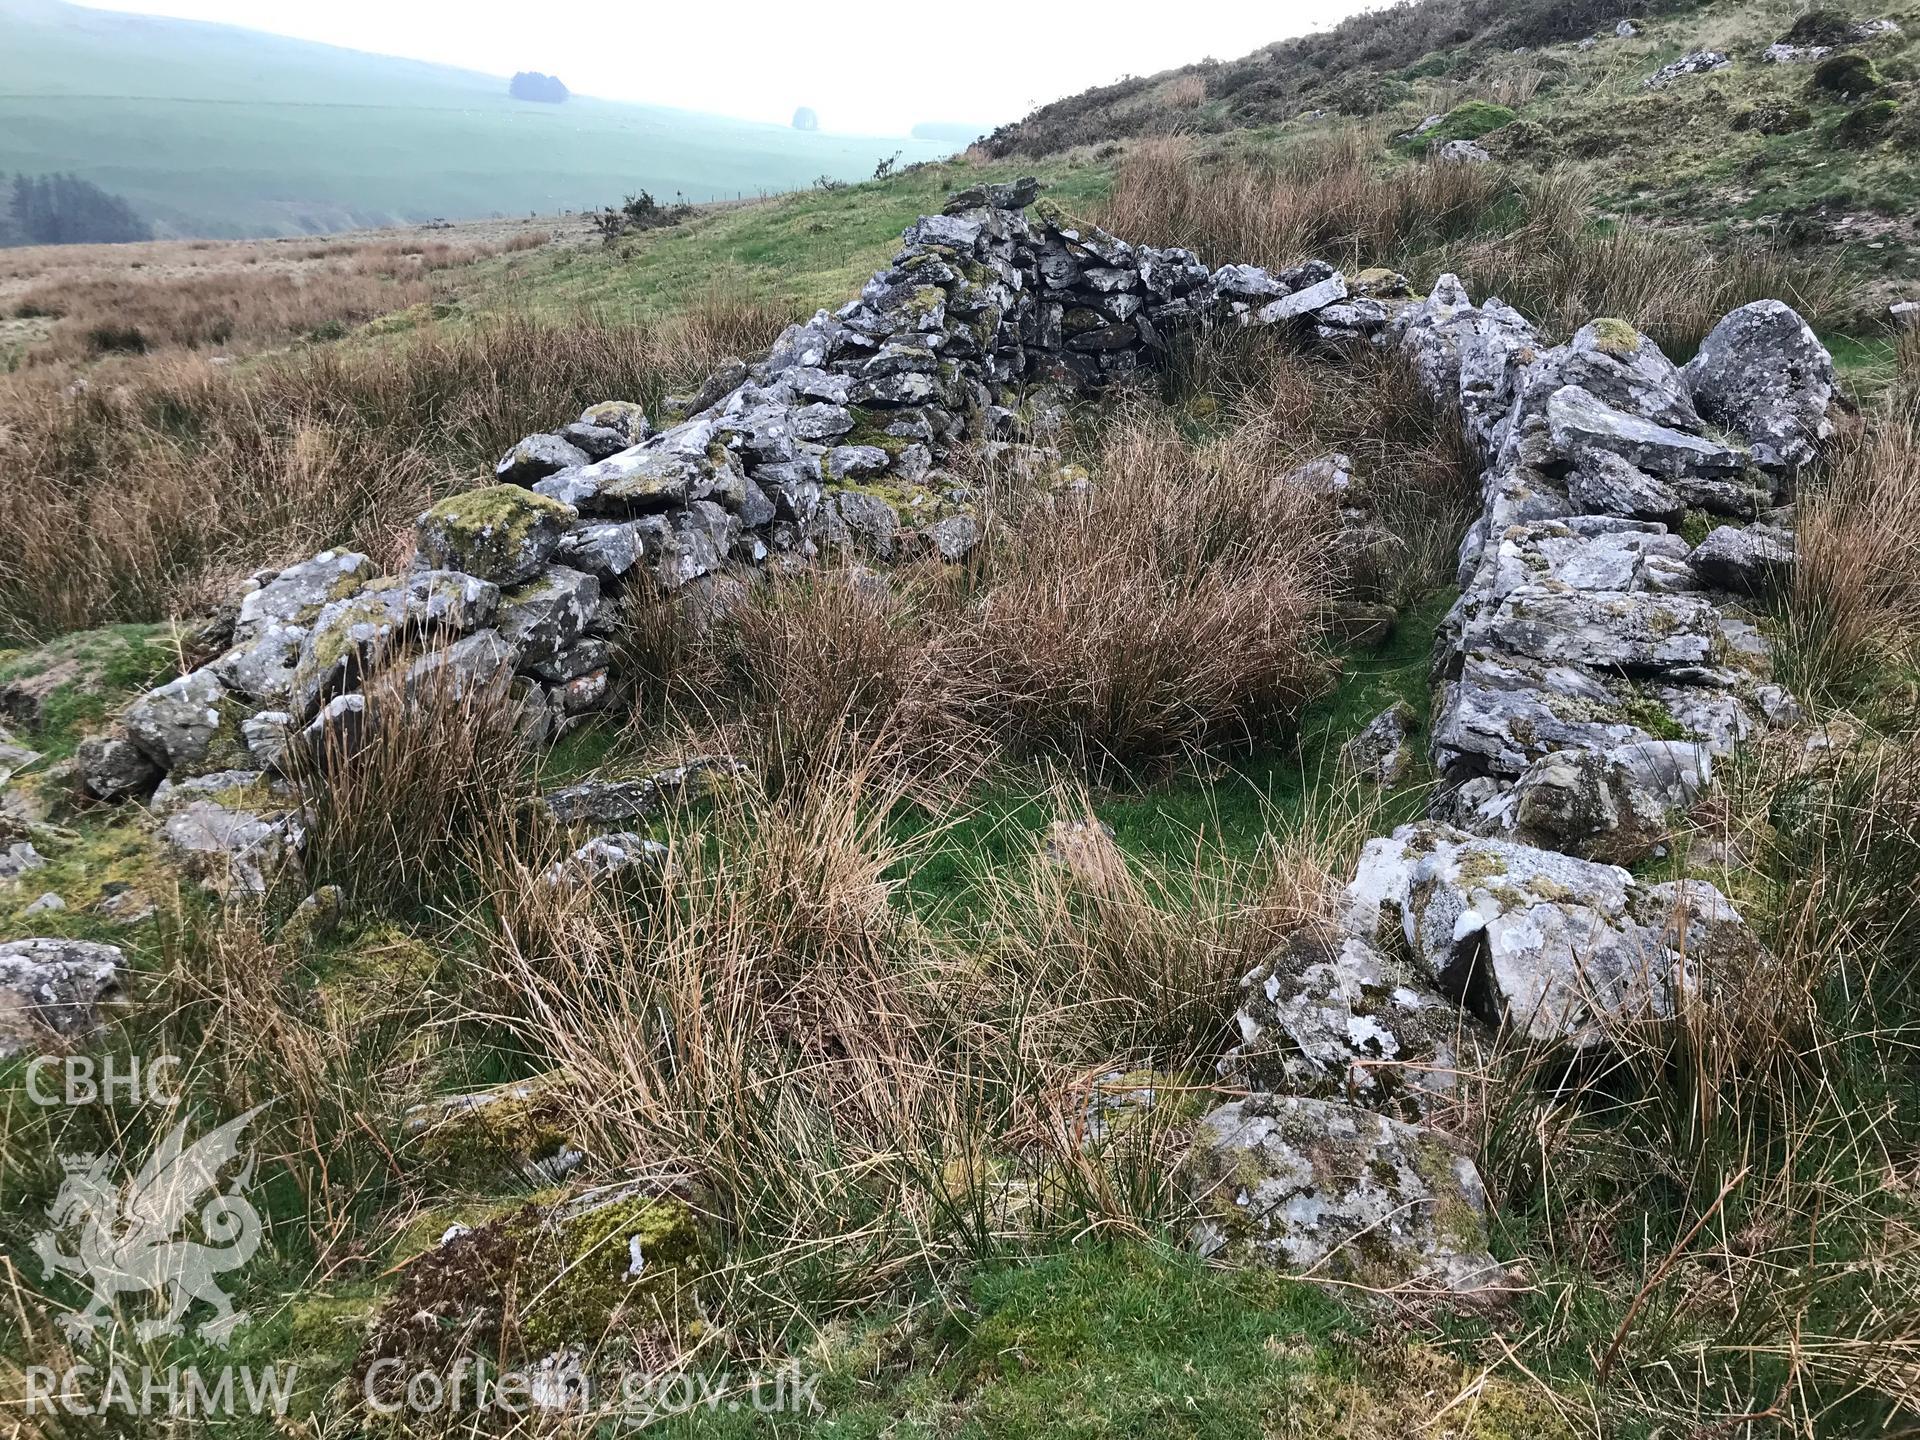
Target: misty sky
(866, 67)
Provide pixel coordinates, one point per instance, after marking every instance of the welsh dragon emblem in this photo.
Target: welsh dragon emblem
(133, 1236)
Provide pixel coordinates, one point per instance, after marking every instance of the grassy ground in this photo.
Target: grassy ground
(799, 252)
(1709, 156)
(857, 1024)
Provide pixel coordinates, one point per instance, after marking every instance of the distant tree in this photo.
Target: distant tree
(65, 210)
(532, 85)
(885, 168)
(805, 119)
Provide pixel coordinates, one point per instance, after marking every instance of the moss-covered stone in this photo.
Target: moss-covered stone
(1464, 122)
(1615, 337)
(549, 1275)
(501, 533)
(1845, 76)
(1865, 123)
(514, 1129)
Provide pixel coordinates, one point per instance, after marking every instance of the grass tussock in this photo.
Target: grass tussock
(1854, 618)
(1178, 599)
(1529, 240)
(399, 796)
(1737, 1185)
(864, 1100)
(158, 495)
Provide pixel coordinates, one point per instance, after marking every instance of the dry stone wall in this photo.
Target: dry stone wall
(1597, 664)
(834, 440)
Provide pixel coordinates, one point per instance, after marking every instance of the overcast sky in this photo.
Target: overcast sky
(865, 66)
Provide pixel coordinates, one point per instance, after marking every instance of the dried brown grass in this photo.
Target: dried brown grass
(1277, 208)
(157, 496)
(240, 304)
(867, 1100)
(1854, 613)
(1533, 242)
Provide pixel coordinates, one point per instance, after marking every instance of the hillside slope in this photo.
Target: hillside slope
(214, 130)
(1779, 151)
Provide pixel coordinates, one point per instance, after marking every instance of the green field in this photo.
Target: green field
(217, 131)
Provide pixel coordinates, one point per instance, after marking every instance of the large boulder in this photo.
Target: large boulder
(500, 533)
(1559, 949)
(52, 989)
(1764, 374)
(1317, 1188)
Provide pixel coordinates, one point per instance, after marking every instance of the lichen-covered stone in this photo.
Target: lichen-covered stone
(1764, 374)
(1580, 422)
(1752, 560)
(191, 724)
(537, 457)
(1383, 752)
(549, 613)
(604, 857)
(1311, 1187)
(233, 851)
(113, 769)
(52, 990)
(1339, 1015)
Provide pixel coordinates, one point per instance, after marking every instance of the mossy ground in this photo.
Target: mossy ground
(1137, 1340)
(80, 680)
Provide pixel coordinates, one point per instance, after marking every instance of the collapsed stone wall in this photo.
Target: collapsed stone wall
(1595, 666)
(834, 440)
(1602, 655)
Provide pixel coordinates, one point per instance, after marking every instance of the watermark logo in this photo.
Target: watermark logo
(169, 1232)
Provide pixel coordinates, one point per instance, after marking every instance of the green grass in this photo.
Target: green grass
(807, 250)
(236, 132)
(1135, 1341)
(93, 674)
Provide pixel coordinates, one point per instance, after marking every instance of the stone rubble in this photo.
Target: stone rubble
(53, 989)
(1698, 62)
(834, 440)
